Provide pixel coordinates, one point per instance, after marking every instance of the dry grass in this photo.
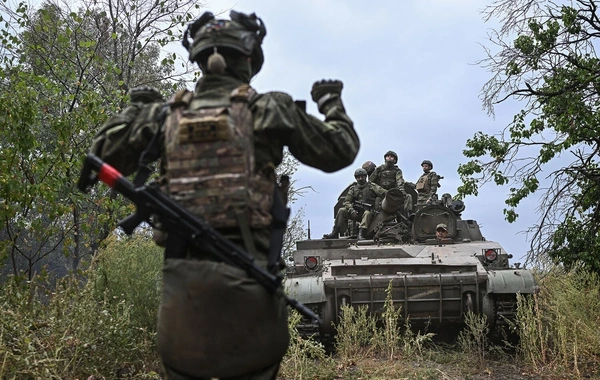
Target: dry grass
(104, 328)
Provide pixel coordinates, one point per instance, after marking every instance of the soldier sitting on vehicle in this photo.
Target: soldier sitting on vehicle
(358, 206)
(369, 166)
(389, 175)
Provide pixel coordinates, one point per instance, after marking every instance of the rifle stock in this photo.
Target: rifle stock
(150, 201)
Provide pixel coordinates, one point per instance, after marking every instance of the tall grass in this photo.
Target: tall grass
(96, 326)
(559, 326)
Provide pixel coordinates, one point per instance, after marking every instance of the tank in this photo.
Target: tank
(434, 281)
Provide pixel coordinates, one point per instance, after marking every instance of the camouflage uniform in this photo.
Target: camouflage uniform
(367, 193)
(427, 185)
(390, 176)
(215, 321)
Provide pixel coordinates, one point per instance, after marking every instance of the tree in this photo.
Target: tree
(543, 56)
(61, 73)
(295, 227)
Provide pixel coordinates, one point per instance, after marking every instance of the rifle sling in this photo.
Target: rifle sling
(242, 218)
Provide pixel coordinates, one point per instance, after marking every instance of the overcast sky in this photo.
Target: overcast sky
(411, 84)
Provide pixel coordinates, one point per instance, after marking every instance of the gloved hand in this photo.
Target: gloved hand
(353, 213)
(324, 87)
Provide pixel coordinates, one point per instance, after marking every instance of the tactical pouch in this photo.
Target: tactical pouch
(420, 186)
(215, 321)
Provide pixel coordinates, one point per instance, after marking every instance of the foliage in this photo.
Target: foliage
(305, 358)
(77, 329)
(543, 56)
(62, 71)
(473, 338)
(295, 226)
(559, 326)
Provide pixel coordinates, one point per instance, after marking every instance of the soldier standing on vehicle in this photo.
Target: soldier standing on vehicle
(427, 185)
(219, 147)
(388, 175)
(358, 206)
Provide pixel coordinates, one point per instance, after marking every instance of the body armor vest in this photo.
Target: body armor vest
(210, 166)
(423, 183)
(388, 177)
(366, 195)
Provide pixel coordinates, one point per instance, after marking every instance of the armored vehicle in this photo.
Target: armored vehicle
(435, 281)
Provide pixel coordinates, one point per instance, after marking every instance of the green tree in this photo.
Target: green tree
(295, 227)
(61, 73)
(543, 56)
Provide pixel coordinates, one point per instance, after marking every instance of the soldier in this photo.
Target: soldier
(358, 206)
(427, 185)
(369, 166)
(219, 146)
(441, 231)
(388, 175)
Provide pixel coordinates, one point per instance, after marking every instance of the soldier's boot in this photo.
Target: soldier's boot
(335, 234)
(362, 234)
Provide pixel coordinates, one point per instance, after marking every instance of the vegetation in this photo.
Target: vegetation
(63, 71)
(104, 328)
(543, 56)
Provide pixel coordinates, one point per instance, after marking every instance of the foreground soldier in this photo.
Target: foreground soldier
(427, 185)
(219, 147)
(358, 206)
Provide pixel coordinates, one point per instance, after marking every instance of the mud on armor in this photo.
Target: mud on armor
(210, 162)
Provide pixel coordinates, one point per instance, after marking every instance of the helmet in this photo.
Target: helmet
(145, 95)
(428, 163)
(441, 226)
(369, 166)
(243, 33)
(391, 153)
(359, 172)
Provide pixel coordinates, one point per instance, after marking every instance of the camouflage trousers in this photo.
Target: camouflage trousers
(343, 216)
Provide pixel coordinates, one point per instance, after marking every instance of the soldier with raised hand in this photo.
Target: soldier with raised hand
(358, 206)
(427, 185)
(218, 148)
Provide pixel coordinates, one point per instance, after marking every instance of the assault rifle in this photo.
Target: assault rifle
(150, 202)
(363, 206)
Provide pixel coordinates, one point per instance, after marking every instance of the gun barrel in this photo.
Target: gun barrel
(392, 201)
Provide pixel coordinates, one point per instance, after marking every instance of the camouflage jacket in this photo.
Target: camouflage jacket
(388, 177)
(328, 145)
(428, 183)
(367, 193)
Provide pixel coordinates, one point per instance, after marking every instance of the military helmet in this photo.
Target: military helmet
(427, 162)
(441, 226)
(243, 33)
(391, 153)
(369, 166)
(359, 172)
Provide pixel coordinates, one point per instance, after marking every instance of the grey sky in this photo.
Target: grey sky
(411, 84)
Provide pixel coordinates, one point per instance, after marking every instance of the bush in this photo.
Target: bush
(79, 328)
(558, 327)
